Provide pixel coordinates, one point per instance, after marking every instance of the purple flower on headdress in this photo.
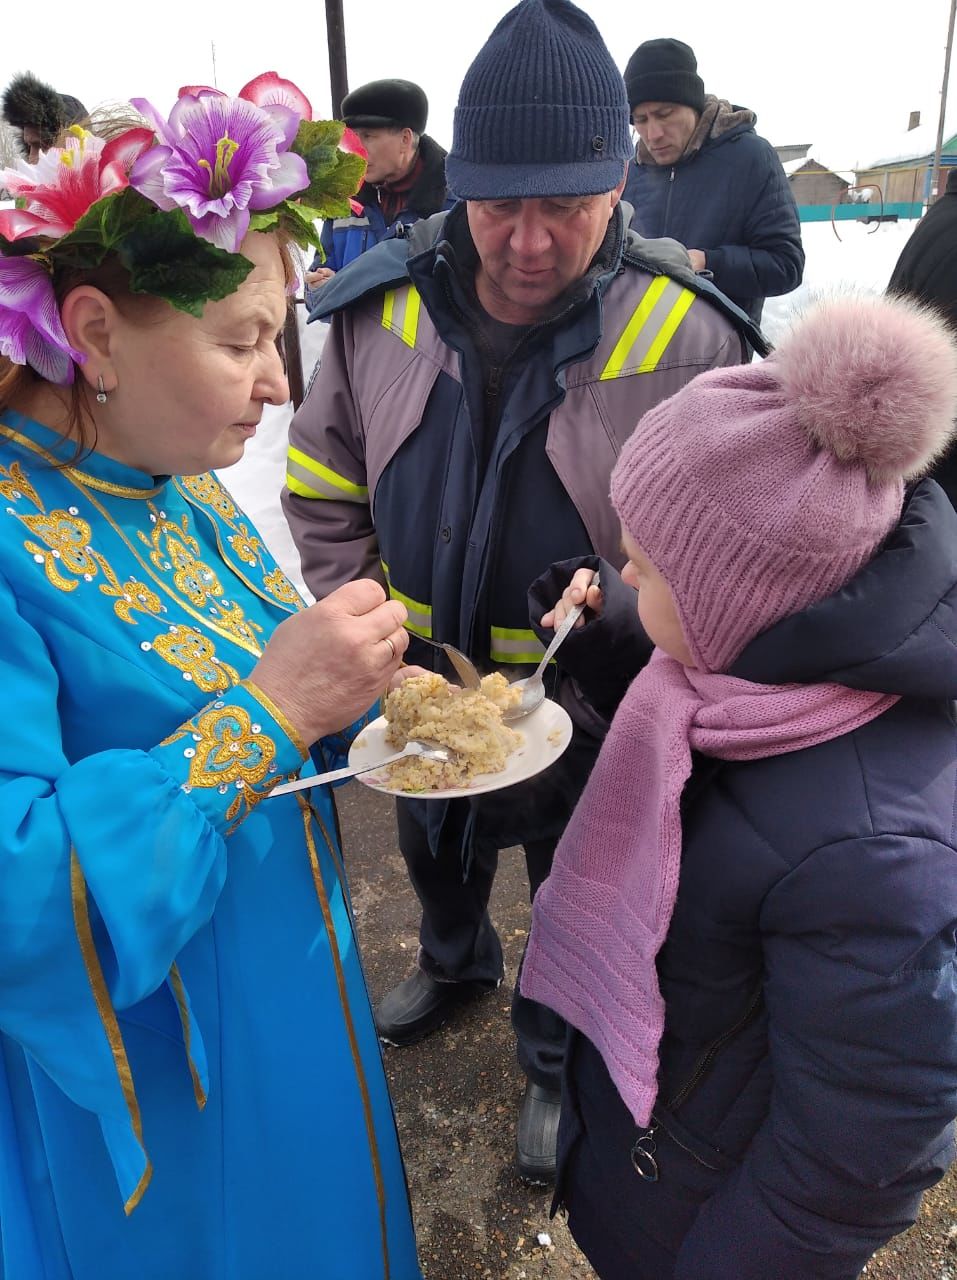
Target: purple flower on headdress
(219, 159)
(30, 328)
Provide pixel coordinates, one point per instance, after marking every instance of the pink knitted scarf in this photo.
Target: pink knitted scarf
(601, 917)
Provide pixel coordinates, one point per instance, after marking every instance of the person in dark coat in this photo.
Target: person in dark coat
(750, 921)
(39, 113)
(927, 270)
(702, 176)
(405, 177)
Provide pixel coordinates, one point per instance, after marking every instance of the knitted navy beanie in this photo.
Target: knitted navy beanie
(664, 71)
(541, 111)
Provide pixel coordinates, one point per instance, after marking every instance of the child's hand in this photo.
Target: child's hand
(578, 589)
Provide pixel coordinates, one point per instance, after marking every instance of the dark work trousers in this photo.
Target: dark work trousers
(459, 942)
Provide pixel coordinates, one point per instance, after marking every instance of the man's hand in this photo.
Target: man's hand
(698, 260)
(319, 276)
(325, 666)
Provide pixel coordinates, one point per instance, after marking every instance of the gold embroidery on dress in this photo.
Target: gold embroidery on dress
(15, 485)
(244, 543)
(195, 655)
(207, 489)
(279, 585)
(228, 750)
(67, 540)
(131, 595)
(173, 547)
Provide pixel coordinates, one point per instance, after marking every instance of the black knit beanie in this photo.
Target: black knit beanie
(541, 111)
(664, 71)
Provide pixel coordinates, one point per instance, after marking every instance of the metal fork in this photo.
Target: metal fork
(423, 747)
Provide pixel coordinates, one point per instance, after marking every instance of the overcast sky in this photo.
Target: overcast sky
(842, 75)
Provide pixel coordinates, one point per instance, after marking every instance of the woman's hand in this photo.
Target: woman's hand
(578, 590)
(325, 666)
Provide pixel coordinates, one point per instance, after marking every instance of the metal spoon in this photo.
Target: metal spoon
(464, 666)
(423, 747)
(533, 686)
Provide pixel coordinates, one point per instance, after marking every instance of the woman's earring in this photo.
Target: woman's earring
(100, 389)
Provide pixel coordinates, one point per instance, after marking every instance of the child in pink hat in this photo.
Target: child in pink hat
(750, 919)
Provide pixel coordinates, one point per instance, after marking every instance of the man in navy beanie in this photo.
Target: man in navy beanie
(702, 175)
(479, 380)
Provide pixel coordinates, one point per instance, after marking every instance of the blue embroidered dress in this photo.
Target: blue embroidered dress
(190, 1081)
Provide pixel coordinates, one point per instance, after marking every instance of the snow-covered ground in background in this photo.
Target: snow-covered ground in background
(861, 259)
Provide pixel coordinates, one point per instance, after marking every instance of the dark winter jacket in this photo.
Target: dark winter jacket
(808, 1074)
(344, 239)
(729, 197)
(927, 271)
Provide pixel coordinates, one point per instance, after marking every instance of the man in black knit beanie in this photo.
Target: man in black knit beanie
(702, 176)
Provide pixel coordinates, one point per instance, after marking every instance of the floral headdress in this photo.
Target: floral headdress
(172, 201)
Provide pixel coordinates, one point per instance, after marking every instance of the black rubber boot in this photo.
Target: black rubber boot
(537, 1135)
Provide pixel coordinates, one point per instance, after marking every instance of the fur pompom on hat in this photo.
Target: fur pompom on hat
(872, 384)
(760, 489)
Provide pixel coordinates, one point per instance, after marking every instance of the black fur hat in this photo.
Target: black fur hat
(28, 101)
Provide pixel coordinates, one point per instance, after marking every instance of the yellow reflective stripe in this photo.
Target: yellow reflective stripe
(635, 325)
(411, 326)
(667, 331)
(311, 479)
(388, 303)
(400, 313)
(651, 328)
(419, 620)
(515, 644)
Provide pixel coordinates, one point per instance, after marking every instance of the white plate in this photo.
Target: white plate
(546, 732)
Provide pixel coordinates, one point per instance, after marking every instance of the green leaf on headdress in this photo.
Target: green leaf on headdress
(264, 221)
(166, 258)
(102, 229)
(334, 175)
(299, 222)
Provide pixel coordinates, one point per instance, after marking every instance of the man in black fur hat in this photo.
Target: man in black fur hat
(39, 112)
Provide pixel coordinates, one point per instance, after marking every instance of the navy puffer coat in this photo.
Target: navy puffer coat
(808, 1077)
(730, 198)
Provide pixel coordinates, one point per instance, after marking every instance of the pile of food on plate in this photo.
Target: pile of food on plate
(469, 721)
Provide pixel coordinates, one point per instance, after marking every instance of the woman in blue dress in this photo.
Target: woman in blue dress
(190, 1079)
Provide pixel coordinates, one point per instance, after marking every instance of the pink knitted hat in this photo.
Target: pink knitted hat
(760, 489)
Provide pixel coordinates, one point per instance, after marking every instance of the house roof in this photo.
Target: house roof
(916, 144)
(792, 167)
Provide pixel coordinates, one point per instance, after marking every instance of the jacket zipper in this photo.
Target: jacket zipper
(671, 187)
(644, 1149)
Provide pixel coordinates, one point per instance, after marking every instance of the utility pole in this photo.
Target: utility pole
(336, 39)
(339, 84)
(935, 190)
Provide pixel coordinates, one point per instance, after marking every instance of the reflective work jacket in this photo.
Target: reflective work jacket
(384, 473)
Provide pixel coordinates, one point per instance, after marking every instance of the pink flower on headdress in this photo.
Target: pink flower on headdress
(31, 331)
(67, 180)
(219, 159)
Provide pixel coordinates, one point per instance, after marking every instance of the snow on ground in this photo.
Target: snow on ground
(862, 258)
